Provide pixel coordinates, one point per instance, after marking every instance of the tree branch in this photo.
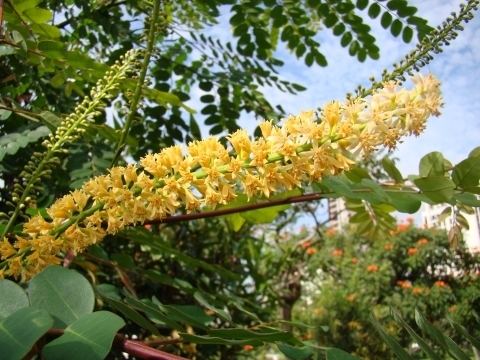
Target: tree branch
(141, 80)
(248, 207)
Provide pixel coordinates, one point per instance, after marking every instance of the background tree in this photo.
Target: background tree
(415, 269)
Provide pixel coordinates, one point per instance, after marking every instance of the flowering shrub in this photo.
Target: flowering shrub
(377, 276)
(303, 150)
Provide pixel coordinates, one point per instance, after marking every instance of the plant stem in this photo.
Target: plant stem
(132, 347)
(428, 44)
(48, 156)
(140, 82)
(73, 220)
(255, 206)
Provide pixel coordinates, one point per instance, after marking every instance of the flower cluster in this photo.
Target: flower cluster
(306, 148)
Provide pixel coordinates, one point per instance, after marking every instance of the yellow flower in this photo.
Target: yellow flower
(207, 174)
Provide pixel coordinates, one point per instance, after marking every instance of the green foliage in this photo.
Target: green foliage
(64, 293)
(407, 272)
(435, 336)
(57, 297)
(89, 337)
(11, 143)
(21, 330)
(210, 286)
(12, 298)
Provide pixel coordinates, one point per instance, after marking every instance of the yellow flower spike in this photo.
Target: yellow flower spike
(208, 174)
(241, 143)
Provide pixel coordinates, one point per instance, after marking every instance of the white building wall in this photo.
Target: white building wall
(430, 218)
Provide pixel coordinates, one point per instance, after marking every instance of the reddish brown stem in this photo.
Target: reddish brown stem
(132, 347)
(142, 351)
(1, 19)
(221, 212)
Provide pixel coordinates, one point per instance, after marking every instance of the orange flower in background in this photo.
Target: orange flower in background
(423, 241)
(351, 297)
(388, 247)
(402, 228)
(440, 284)
(331, 231)
(307, 336)
(247, 347)
(372, 268)
(306, 244)
(337, 252)
(311, 251)
(452, 308)
(417, 290)
(404, 284)
(354, 260)
(412, 251)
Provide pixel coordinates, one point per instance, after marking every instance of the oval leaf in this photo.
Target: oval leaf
(21, 330)
(12, 298)
(64, 293)
(90, 337)
(436, 188)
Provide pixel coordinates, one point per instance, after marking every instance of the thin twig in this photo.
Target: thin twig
(1, 19)
(260, 205)
(140, 82)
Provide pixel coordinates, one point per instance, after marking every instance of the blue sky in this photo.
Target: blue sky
(454, 133)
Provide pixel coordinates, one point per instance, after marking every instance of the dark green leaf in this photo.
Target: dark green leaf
(386, 20)
(154, 313)
(390, 341)
(90, 337)
(404, 202)
(205, 339)
(207, 98)
(21, 330)
(12, 298)
(262, 334)
(132, 314)
(466, 174)
(337, 354)
(417, 338)
(407, 34)
(475, 152)
(205, 85)
(321, 59)
(438, 336)
(64, 293)
(374, 10)
(362, 4)
(396, 27)
(432, 164)
(392, 170)
(295, 353)
(468, 199)
(436, 188)
(309, 59)
(346, 38)
(339, 29)
(204, 300)
(466, 334)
